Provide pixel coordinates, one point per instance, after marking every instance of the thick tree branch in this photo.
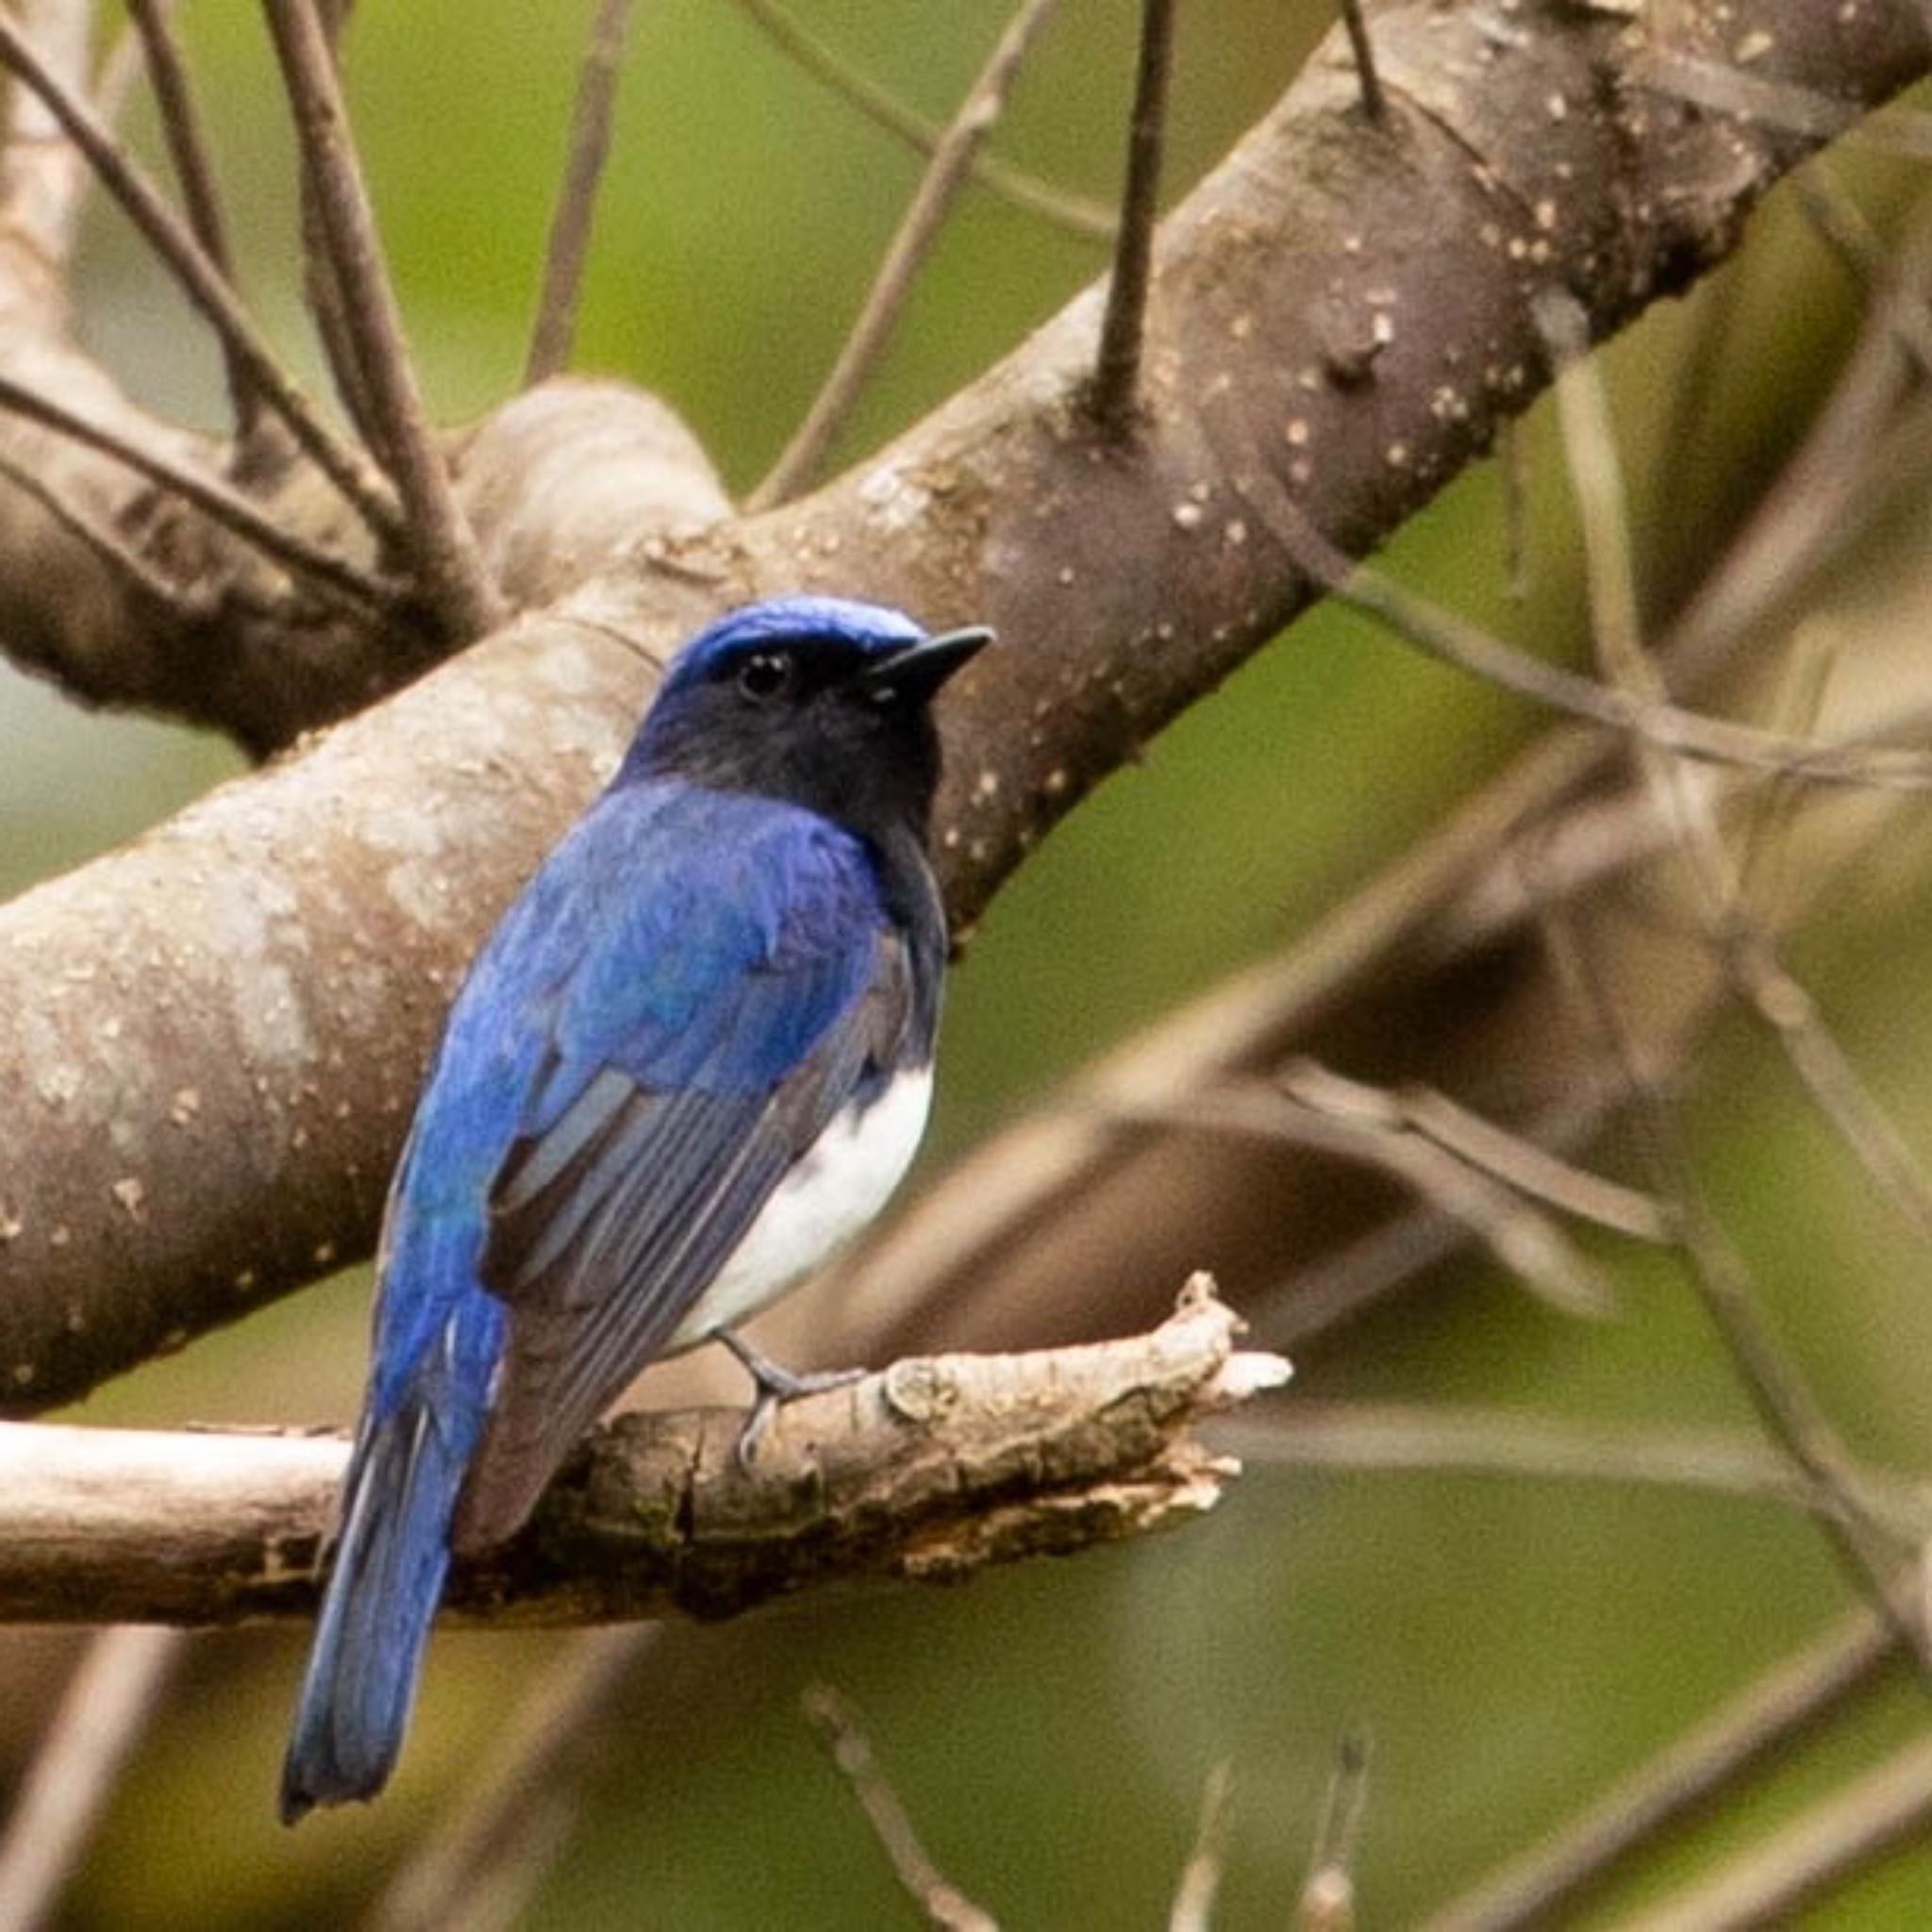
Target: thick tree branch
(930, 1470)
(1342, 315)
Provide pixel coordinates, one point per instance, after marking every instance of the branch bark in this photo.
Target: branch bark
(210, 1038)
(930, 1470)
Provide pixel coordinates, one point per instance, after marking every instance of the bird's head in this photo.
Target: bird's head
(815, 700)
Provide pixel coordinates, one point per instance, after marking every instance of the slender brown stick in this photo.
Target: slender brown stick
(205, 286)
(1113, 394)
(225, 506)
(1804, 1857)
(576, 199)
(1354, 22)
(938, 189)
(1085, 218)
(188, 150)
(180, 601)
(944, 1905)
(1795, 1695)
(100, 1722)
(1391, 1436)
(441, 545)
(1682, 801)
(1455, 640)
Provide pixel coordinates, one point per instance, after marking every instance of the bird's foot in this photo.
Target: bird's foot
(775, 1387)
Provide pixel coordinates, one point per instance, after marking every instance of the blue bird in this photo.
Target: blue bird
(691, 1062)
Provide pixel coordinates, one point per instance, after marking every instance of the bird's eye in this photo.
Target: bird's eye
(765, 676)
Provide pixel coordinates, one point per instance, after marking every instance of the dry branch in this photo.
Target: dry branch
(932, 1469)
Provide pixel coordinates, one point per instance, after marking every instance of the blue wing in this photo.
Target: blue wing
(688, 989)
(691, 1062)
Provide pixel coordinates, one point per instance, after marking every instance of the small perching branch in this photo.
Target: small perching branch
(938, 189)
(576, 198)
(931, 1469)
(440, 542)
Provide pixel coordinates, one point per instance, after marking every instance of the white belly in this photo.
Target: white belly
(825, 1202)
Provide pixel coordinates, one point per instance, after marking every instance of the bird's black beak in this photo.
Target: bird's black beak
(918, 670)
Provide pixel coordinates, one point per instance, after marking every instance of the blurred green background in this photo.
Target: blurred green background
(1509, 1644)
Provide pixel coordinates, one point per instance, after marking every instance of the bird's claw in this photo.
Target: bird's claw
(775, 1386)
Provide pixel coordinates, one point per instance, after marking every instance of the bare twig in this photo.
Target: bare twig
(1665, 727)
(205, 286)
(1083, 218)
(178, 600)
(1772, 1711)
(484, 1837)
(101, 1719)
(944, 1905)
(1193, 1900)
(1327, 1900)
(188, 150)
(1778, 1392)
(225, 506)
(1394, 1436)
(1775, 1386)
(1328, 1114)
(1804, 1857)
(1113, 394)
(1363, 47)
(441, 546)
(938, 188)
(576, 198)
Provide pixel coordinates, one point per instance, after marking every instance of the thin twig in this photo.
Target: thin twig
(1802, 1859)
(105, 1708)
(1781, 1396)
(1667, 726)
(576, 199)
(1355, 21)
(1772, 1711)
(1436, 1437)
(1085, 218)
(1531, 1244)
(216, 499)
(481, 1839)
(938, 188)
(1327, 1900)
(181, 602)
(207, 288)
(1193, 1899)
(1785, 1404)
(832, 1716)
(188, 151)
(1113, 396)
(441, 543)
(1532, 1170)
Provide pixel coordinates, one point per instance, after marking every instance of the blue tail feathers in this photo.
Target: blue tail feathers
(380, 1600)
